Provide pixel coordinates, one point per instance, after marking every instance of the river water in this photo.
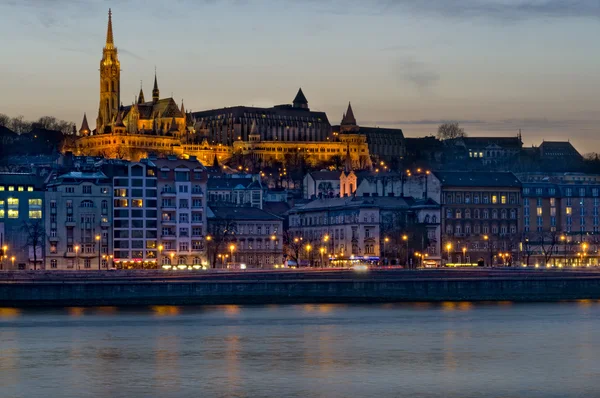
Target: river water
(401, 350)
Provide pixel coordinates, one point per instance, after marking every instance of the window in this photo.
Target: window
(121, 203)
(35, 214)
(503, 199)
(184, 217)
(53, 264)
(513, 214)
(569, 192)
(539, 211)
(87, 263)
(582, 192)
(569, 210)
(86, 203)
(137, 203)
(183, 203)
(486, 199)
(494, 199)
(87, 189)
(70, 189)
(184, 246)
(184, 232)
(197, 231)
(538, 191)
(197, 203)
(552, 202)
(183, 189)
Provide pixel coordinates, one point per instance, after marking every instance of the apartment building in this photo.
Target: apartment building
(480, 216)
(22, 219)
(561, 218)
(78, 206)
(135, 215)
(248, 236)
(182, 218)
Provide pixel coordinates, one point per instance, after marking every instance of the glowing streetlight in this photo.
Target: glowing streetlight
(464, 250)
(12, 259)
(322, 250)
(231, 249)
(98, 240)
(448, 248)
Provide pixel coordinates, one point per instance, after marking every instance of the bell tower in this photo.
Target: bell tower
(110, 82)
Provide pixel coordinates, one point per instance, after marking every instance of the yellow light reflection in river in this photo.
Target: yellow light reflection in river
(165, 310)
(76, 312)
(6, 312)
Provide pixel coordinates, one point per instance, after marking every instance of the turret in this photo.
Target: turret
(300, 100)
(155, 91)
(85, 128)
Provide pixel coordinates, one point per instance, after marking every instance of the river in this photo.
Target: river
(400, 350)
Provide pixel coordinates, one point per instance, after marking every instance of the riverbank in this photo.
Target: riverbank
(297, 287)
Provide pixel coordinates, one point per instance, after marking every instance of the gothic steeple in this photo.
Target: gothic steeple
(141, 99)
(110, 43)
(85, 128)
(110, 81)
(300, 101)
(349, 119)
(155, 91)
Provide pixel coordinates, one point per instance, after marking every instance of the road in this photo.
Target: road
(378, 274)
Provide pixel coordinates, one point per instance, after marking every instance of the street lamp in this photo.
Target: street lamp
(231, 249)
(77, 256)
(563, 239)
(405, 238)
(172, 255)
(12, 259)
(448, 248)
(322, 250)
(385, 240)
(98, 239)
(4, 250)
(308, 248)
(584, 247)
(486, 238)
(160, 249)
(464, 250)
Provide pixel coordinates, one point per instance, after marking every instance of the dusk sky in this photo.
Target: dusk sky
(493, 65)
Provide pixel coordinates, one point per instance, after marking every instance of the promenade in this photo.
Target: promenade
(157, 287)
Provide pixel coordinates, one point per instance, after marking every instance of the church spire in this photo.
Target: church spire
(141, 99)
(155, 91)
(85, 128)
(182, 108)
(348, 160)
(349, 119)
(109, 31)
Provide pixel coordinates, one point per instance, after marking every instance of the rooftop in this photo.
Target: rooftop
(477, 179)
(240, 213)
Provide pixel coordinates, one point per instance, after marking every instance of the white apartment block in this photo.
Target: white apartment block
(78, 210)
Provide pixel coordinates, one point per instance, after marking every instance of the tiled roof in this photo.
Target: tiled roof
(241, 213)
(325, 175)
(229, 183)
(477, 179)
(483, 142)
(238, 112)
(22, 179)
(163, 108)
(558, 149)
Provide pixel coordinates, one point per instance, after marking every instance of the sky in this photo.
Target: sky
(495, 66)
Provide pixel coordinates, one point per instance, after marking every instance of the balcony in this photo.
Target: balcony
(168, 221)
(53, 238)
(197, 222)
(168, 194)
(168, 206)
(105, 224)
(169, 236)
(70, 223)
(70, 254)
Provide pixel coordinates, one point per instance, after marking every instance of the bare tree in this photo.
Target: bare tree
(448, 131)
(548, 241)
(35, 234)
(4, 120)
(222, 232)
(292, 246)
(527, 248)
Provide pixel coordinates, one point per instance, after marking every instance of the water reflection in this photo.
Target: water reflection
(453, 349)
(6, 312)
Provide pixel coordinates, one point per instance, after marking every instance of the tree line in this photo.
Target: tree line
(19, 125)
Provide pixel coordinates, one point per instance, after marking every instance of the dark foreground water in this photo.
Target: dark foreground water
(412, 350)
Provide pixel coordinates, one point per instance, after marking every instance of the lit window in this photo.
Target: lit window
(13, 213)
(13, 202)
(569, 210)
(11, 188)
(137, 203)
(35, 202)
(1, 187)
(494, 199)
(29, 189)
(503, 199)
(1, 213)
(539, 211)
(21, 189)
(35, 214)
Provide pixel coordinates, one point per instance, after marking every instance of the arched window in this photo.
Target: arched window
(427, 219)
(105, 204)
(196, 261)
(434, 219)
(181, 260)
(87, 203)
(166, 260)
(494, 214)
(467, 213)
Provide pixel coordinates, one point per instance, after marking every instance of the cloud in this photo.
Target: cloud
(417, 73)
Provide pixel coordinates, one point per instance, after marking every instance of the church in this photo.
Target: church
(130, 131)
(160, 126)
